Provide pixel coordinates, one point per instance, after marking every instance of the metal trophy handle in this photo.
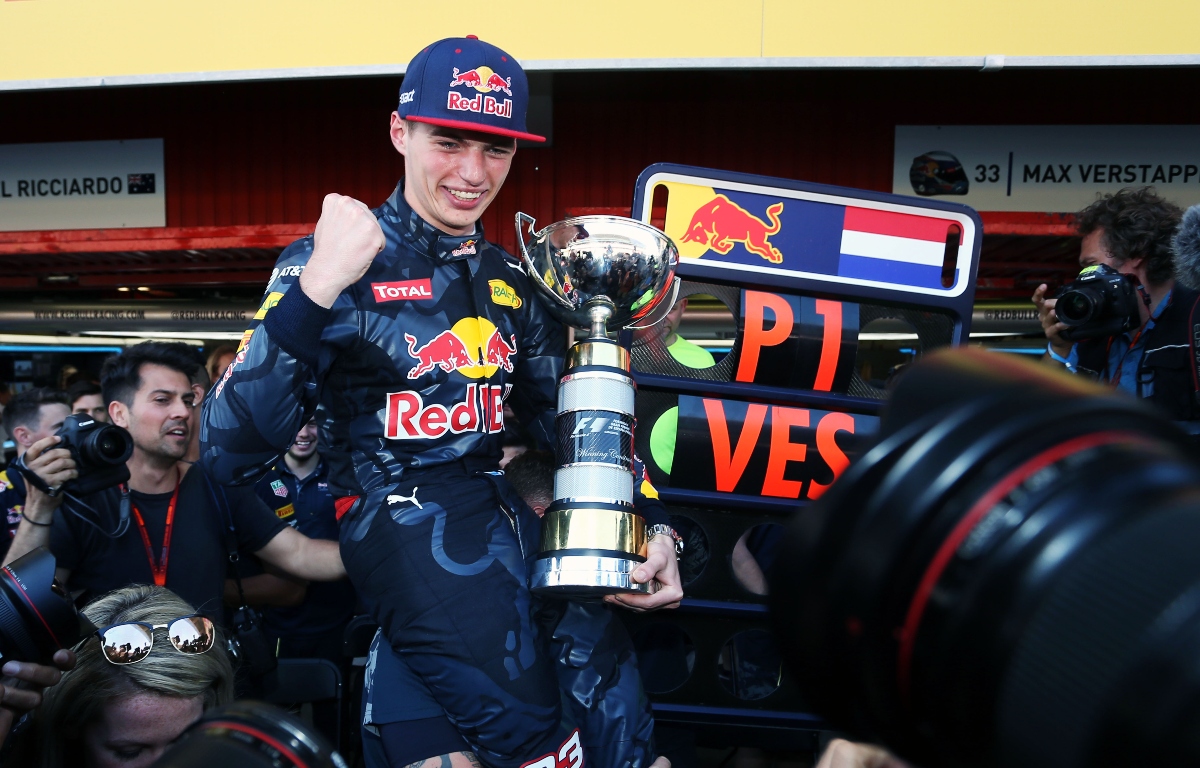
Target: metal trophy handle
(594, 272)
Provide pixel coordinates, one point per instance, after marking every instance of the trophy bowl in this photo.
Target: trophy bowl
(599, 261)
(596, 272)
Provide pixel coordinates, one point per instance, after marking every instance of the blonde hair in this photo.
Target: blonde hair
(78, 700)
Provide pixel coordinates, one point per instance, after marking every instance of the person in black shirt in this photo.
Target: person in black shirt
(174, 533)
(302, 620)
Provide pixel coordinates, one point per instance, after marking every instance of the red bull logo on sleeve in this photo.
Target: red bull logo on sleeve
(720, 223)
(485, 81)
(407, 417)
(473, 347)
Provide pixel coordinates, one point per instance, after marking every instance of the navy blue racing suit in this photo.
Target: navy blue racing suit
(412, 366)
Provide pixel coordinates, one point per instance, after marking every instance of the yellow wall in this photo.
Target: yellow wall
(70, 39)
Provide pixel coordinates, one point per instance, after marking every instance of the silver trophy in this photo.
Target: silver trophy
(596, 272)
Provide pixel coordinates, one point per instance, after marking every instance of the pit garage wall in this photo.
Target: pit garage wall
(257, 155)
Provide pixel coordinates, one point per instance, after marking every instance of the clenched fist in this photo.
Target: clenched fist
(347, 240)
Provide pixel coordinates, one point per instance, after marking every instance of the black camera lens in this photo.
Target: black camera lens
(247, 734)
(996, 581)
(1075, 307)
(106, 445)
(37, 618)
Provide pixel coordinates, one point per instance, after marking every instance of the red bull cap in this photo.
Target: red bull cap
(463, 82)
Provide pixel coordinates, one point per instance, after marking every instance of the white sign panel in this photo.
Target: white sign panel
(1045, 168)
(82, 185)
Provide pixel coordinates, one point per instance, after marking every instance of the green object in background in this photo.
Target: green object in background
(662, 439)
(691, 355)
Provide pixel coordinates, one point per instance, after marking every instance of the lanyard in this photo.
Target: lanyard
(160, 570)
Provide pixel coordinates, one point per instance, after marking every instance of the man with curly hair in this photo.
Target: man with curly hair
(1131, 231)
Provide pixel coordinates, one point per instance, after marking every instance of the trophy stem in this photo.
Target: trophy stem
(599, 316)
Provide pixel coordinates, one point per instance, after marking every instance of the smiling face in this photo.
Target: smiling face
(451, 176)
(305, 444)
(133, 731)
(159, 412)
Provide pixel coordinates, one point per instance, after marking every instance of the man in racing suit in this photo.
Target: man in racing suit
(412, 331)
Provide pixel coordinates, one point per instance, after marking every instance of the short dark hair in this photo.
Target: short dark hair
(82, 388)
(121, 375)
(25, 408)
(1137, 223)
(531, 474)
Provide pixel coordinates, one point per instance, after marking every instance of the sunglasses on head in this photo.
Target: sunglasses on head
(131, 641)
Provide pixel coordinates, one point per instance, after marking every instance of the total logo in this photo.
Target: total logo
(402, 290)
(482, 410)
(473, 346)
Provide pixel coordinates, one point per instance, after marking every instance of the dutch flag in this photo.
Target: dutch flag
(896, 248)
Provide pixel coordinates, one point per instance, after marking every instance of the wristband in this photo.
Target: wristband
(31, 521)
(1058, 358)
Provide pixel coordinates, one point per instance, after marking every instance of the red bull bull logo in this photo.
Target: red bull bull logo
(483, 79)
(721, 223)
(407, 417)
(486, 82)
(473, 347)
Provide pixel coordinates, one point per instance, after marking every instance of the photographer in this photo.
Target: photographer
(123, 534)
(32, 415)
(1131, 231)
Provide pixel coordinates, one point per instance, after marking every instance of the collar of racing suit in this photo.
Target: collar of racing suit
(428, 239)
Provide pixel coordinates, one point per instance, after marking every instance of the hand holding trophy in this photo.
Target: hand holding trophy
(596, 272)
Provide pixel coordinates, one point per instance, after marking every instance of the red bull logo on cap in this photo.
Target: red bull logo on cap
(482, 79)
(485, 81)
(720, 223)
(473, 347)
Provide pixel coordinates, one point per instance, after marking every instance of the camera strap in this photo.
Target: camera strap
(159, 570)
(230, 537)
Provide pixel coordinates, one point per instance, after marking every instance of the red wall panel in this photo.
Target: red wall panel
(267, 152)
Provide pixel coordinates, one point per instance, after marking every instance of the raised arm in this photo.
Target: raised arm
(254, 410)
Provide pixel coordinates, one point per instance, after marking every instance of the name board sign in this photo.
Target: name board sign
(758, 449)
(82, 185)
(1044, 168)
(813, 233)
(802, 269)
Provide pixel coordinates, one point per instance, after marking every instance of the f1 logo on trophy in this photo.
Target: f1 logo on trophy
(596, 272)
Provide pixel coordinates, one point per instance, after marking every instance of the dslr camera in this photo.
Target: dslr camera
(1101, 302)
(99, 450)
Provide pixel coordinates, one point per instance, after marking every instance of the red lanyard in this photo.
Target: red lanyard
(160, 570)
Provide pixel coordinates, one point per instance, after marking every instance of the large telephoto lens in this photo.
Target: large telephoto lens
(248, 734)
(106, 445)
(37, 617)
(1010, 577)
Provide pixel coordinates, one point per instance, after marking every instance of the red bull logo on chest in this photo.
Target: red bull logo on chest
(407, 417)
(473, 347)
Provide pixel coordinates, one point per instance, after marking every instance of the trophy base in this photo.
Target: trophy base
(586, 576)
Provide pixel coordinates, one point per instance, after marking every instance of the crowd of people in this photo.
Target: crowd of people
(262, 477)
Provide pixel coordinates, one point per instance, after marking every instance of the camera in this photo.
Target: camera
(1007, 578)
(37, 617)
(100, 452)
(246, 734)
(1101, 302)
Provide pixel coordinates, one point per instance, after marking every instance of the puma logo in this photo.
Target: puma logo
(396, 498)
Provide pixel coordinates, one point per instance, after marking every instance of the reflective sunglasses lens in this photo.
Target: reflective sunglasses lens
(195, 634)
(126, 643)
